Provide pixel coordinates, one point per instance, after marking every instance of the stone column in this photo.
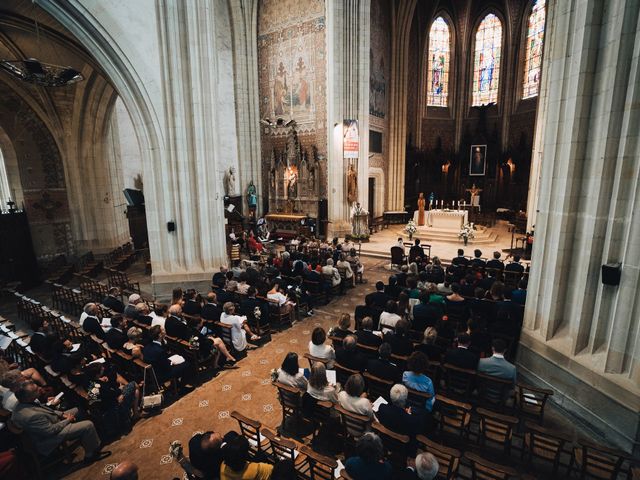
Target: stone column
(400, 31)
(244, 18)
(580, 337)
(348, 41)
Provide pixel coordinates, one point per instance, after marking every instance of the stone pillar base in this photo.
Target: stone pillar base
(162, 285)
(338, 229)
(595, 400)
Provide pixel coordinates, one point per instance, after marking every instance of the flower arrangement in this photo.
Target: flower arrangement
(467, 232)
(274, 375)
(411, 228)
(194, 343)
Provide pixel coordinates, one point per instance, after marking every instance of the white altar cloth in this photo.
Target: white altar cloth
(444, 219)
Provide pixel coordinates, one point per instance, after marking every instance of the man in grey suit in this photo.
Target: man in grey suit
(47, 428)
(496, 365)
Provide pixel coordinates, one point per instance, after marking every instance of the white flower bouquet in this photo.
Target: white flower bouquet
(411, 227)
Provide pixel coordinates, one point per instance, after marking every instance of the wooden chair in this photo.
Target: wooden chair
(400, 361)
(282, 448)
(448, 458)
(354, 426)
(320, 415)
(530, 401)
(417, 399)
(343, 373)
(369, 351)
(496, 427)
(486, 470)
(315, 466)
(453, 417)
(545, 444)
(251, 430)
(458, 382)
(596, 461)
(377, 387)
(395, 444)
(313, 360)
(291, 403)
(397, 256)
(493, 392)
(336, 342)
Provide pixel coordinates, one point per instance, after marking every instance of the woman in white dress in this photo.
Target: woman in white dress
(319, 349)
(239, 326)
(289, 373)
(318, 387)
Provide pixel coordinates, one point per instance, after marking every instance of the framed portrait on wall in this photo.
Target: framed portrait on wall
(478, 160)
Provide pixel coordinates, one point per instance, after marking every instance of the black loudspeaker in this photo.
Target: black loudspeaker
(611, 273)
(323, 217)
(134, 197)
(171, 226)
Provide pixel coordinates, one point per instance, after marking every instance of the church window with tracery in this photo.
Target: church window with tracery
(438, 63)
(533, 55)
(486, 63)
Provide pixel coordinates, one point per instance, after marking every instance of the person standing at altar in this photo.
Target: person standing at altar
(421, 204)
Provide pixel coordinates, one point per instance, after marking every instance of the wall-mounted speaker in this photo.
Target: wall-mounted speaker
(611, 273)
(171, 227)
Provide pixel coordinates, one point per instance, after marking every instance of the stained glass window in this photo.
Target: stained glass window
(486, 63)
(438, 63)
(533, 58)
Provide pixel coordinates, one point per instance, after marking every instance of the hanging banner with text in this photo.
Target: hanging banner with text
(351, 139)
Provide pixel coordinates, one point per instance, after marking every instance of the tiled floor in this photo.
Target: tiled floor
(247, 389)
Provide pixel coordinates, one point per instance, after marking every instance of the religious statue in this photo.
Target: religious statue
(352, 184)
(230, 182)
(475, 195)
(252, 198)
(292, 183)
(421, 204)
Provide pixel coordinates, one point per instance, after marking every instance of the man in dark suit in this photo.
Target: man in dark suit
(175, 325)
(130, 310)
(365, 334)
(497, 365)
(495, 263)
(382, 367)
(519, 296)
(424, 467)
(206, 449)
(416, 251)
(515, 266)
(425, 314)
(487, 281)
(112, 302)
(399, 340)
(477, 259)
(378, 298)
(460, 260)
(397, 418)
(211, 310)
(248, 307)
(219, 277)
(368, 310)
(461, 356)
(349, 356)
(116, 337)
(392, 290)
(43, 339)
(156, 354)
(192, 306)
(91, 323)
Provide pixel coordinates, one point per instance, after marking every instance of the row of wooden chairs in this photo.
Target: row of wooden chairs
(120, 279)
(88, 265)
(120, 258)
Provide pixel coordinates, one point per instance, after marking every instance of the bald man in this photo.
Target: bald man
(126, 470)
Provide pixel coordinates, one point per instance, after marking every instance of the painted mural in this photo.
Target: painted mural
(291, 47)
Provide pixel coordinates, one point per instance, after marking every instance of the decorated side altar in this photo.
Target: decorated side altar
(444, 219)
(287, 224)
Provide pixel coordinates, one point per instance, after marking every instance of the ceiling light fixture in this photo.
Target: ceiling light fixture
(42, 74)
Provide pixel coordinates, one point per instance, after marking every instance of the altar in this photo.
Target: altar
(287, 224)
(444, 219)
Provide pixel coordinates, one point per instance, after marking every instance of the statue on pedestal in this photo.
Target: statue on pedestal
(352, 184)
(421, 204)
(252, 198)
(229, 182)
